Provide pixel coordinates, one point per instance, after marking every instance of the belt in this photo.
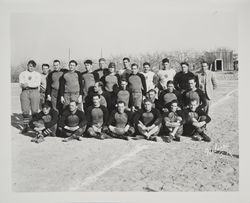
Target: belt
(136, 91)
(30, 88)
(77, 92)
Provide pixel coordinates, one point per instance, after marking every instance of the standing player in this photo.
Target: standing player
(197, 120)
(89, 78)
(97, 118)
(71, 85)
(137, 84)
(165, 74)
(124, 94)
(44, 74)
(44, 123)
(150, 77)
(102, 70)
(126, 70)
(148, 122)
(207, 83)
(120, 122)
(30, 81)
(181, 78)
(72, 123)
(111, 80)
(52, 88)
(111, 83)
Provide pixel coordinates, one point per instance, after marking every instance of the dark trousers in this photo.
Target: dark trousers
(67, 133)
(189, 129)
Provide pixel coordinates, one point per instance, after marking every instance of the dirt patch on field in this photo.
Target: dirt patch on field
(95, 165)
(184, 166)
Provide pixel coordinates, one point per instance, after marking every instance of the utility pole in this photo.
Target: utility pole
(69, 54)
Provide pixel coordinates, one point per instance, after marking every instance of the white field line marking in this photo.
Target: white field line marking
(227, 96)
(93, 178)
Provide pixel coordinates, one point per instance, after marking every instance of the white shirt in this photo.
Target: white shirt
(33, 79)
(149, 76)
(166, 75)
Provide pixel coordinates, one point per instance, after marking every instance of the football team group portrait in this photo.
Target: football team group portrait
(124, 98)
(127, 104)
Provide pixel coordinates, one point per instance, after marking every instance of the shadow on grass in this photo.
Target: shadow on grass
(17, 122)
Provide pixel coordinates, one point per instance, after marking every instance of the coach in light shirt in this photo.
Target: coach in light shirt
(30, 81)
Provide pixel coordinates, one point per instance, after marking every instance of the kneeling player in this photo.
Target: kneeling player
(148, 121)
(44, 123)
(173, 122)
(196, 122)
(97, 117)
(72, 123)
(119, 123)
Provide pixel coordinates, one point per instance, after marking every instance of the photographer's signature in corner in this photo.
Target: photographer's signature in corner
(222, 150)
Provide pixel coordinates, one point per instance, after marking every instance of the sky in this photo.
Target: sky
(117, 30)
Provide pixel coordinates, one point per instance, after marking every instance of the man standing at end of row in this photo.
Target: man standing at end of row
(207, 83)
(30, 81)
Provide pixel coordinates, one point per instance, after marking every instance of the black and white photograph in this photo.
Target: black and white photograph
(124, 96)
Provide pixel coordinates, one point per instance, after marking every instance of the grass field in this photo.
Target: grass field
(117, 165)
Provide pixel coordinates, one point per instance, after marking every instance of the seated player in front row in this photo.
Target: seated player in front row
(72, 123)
(148, 121)
(97, 117)
(195, 125)
(173, 122)
(120, 122)
(44, 123)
